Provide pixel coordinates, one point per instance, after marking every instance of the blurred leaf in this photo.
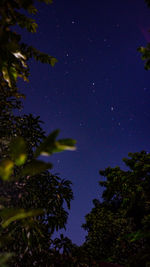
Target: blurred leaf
(141, 234)
(136, 236)
(18, 151)
(53, 61)
(50, 145)
(47, 143)
(13, 73)
(65, 144)
(19, 95)
(32, 9)
(4, 257)
(6, 169)
(47, 1)
(36, 167)
(33, 27)
(10, 215)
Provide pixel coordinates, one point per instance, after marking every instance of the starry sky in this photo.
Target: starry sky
(98, 93)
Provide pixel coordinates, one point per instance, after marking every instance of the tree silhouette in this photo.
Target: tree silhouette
(118, 226)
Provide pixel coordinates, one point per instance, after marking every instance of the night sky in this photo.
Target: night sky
(98, 93)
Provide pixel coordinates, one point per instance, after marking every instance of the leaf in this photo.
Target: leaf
(10, 215)
(33, 27)
(65, 144)
(13, 73)
(32, 9)
(53, 61)
(47, 145)
(50, 145)
(136, 236)
(47, 1)
(6, 169)
(141, 49)
(19, 95)
(18, 151)
(6, 75)
(4, 257)
(36, 167)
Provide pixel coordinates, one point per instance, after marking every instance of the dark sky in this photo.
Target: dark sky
(98, 93)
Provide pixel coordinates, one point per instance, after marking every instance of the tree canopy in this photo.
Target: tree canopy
(118, 226)
(15, 54)
(145, 51)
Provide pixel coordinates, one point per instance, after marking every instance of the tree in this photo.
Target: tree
(32, 199)
(145, 51)
(148, 2)
(14, 53)
(118, 226)
(35, 190)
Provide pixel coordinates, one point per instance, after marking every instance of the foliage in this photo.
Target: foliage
(148, 2)
(18, 155)
(14, 53)
(145, 51)
(31, 198)
(30, 238)
(118, 227)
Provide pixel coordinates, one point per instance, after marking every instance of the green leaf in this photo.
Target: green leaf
(6, 169)
(36, 167)
(53, 61)
(18, 151)
(32, 9)
(10, 215)
(13, 73)
(136, 236)
(45, 148)
(141, 49)
(33, 27)
(50, 145)
(64, 144)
